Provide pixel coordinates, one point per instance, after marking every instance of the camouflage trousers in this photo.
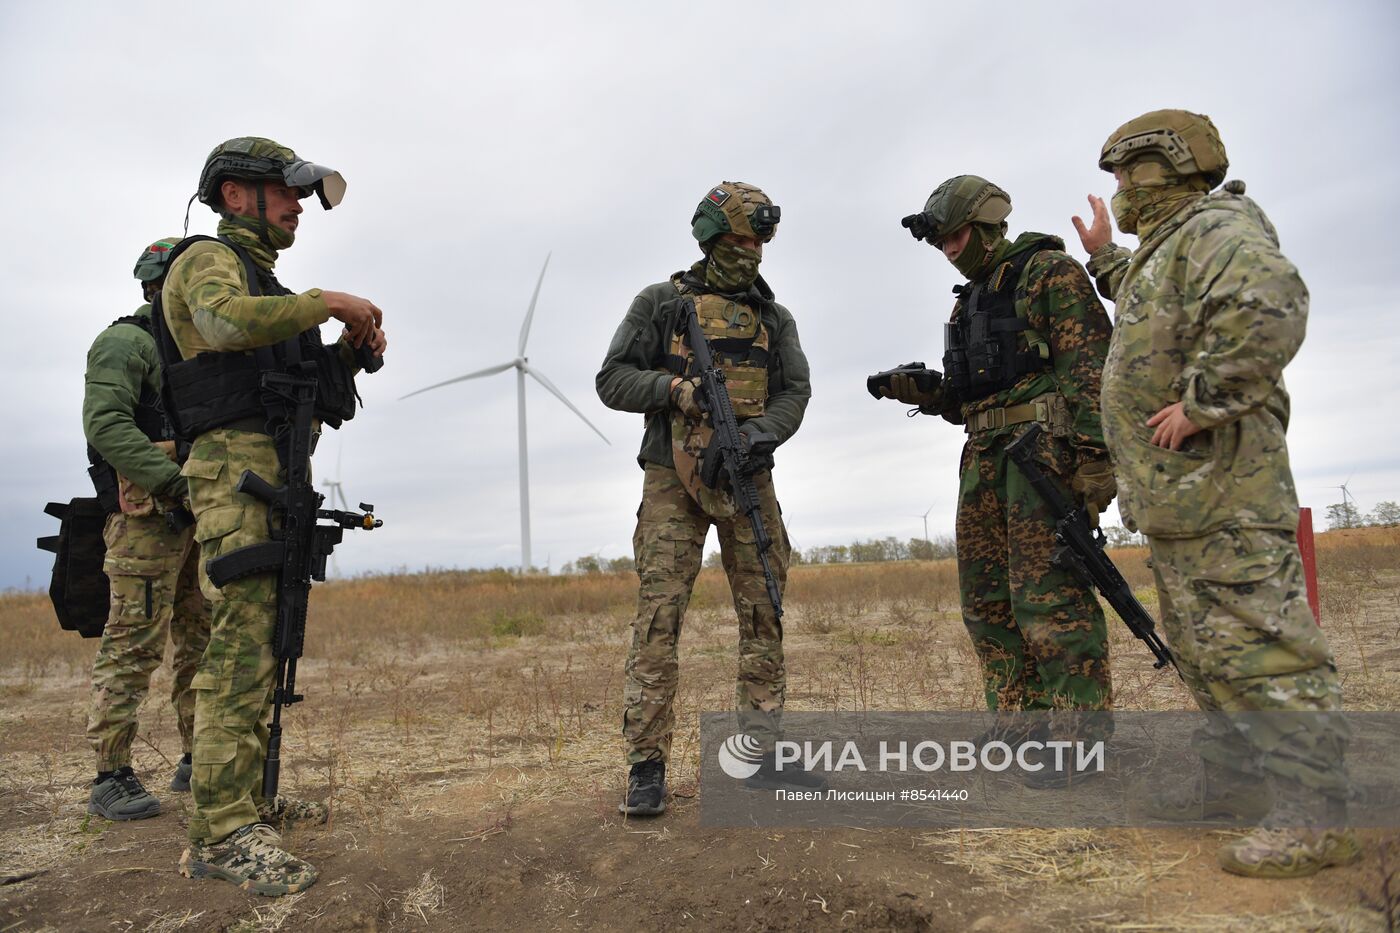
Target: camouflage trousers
(233, 688)
(154, 590)
(1235, 613)
(1038, 631)
(668, 544)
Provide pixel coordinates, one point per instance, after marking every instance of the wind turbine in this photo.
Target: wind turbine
(334, 492)
(521, 365)
(1347, 507)
(925, 518)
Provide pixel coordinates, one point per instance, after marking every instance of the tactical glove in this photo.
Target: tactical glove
(683, 399)
(763, 458)
(904, 389)
(1095, 486)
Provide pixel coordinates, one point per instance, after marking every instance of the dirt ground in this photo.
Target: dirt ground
(464, 729)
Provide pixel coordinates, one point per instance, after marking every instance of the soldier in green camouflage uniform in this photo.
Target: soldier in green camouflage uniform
(1038, 630)
(256, 187)
(1208, 314)
(647, 370)
(151, 568)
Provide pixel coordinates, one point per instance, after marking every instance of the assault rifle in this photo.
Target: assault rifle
(729, 452)
(299, 547)
(1081, 550)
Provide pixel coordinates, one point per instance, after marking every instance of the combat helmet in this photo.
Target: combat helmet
(1189, 142)
(959, 201)
(255, 158)
(735, 207)
(151, 266)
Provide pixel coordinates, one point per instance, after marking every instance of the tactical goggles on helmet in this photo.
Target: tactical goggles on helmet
(306, 177)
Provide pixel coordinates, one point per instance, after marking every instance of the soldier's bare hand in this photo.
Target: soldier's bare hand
(378, 343)
(1172, 426)
(359, 315)
(1092, 238)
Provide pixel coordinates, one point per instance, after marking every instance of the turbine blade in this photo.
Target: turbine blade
(544, 381)
(490, 371)
(530, 313)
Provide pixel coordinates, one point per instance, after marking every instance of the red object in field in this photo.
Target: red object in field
(1308, 552)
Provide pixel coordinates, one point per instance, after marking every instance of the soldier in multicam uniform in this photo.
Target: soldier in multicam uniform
(152, 568)
(1208, 314)
(230, 320)
(1025, 344)
(647, 369)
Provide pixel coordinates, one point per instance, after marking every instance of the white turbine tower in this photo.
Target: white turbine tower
(521, 365)
(334, 492)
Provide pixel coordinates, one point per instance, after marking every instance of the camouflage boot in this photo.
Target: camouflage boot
(1301, 835)
(251, 857)
(120, 796)
(283, 811)
(1221, 795)
(181, 780)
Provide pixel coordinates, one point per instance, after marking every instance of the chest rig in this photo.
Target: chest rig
(216, 389)
(150, 420)
(989, 343)
(739, 342)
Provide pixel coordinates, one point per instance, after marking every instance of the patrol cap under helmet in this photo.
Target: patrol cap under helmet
(1189, 142)
(735, 207)
(151, 267)
(959, 201)
(253, 158)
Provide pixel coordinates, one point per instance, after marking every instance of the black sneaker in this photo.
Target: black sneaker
(768, 777)
(646, 789)
(181, 780)
(120, 796)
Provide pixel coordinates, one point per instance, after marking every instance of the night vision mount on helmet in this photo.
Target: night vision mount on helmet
(1188, 142)
(257, 159)
(735, 207)
(959, 201)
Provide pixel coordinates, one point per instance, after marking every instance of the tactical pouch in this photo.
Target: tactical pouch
(79, 588)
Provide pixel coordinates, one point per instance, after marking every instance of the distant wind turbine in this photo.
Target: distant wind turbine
(521, 365)
(925, 518)
(335, 492)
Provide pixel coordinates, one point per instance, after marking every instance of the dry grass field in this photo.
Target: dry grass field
(465, 729)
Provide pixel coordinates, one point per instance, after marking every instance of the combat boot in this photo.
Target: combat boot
(283, 811)
(251, 857)
(646, 789)
(769, 777)
(1222, 795)
(184, 768)
(118, 795)
(1302, 834)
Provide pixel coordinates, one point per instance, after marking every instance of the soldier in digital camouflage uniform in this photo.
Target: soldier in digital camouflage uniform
(1025, 344)
(152, 569)
(1208, 314)
(222, 305)
(648, 370)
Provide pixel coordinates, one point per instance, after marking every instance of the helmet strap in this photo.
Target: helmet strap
(187, 214)
(262, 215)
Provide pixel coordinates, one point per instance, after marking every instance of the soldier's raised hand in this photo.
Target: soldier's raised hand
(1092, 238)
(359, 315)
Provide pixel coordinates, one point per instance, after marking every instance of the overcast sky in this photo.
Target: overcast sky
(477, 138)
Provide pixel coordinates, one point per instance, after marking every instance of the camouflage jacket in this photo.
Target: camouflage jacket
(207, 305)
(1208, 313)
(634, 378)
(121, 364)
(1061, 306)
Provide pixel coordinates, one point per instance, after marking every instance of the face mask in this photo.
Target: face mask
(977, 255)
(731, 267)
(1150, 194)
